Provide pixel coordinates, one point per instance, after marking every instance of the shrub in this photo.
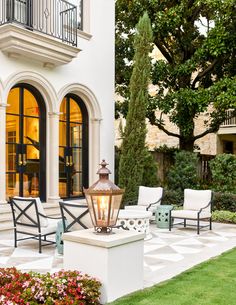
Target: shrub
(60, 288)
(223, 169)
(172, 197)
(150, 170)
(224, 201)
(224, 216)
(184, 172)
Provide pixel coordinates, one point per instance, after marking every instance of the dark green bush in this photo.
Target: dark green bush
(172, 197)
(224, 216)
(184, 172)
(223, 169)
(150, 170)
(224, 201)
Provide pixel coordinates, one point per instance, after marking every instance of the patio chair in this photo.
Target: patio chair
(29, 218)
(197, 206)
(149, 198)
(75, 216)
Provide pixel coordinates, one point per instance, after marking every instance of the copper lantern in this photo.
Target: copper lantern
(104, 199)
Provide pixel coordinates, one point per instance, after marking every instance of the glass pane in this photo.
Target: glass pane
(75, 135)
(31, 185)
(77, 159)
(75, 112)
(61, 160)
(31, 131)
(76, 184)
(63, 110)
(12, 129)
(12, 184)
(30, 104)
(10, 157)
(32, 159)
(62, 133)
(13, 101)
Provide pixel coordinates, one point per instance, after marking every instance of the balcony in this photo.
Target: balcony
(229, 125)
(42, 30)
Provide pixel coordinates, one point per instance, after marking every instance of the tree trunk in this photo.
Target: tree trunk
(186, 144)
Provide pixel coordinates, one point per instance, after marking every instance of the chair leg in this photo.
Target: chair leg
(15, 236)
(185, 223)
(210, 223)
(40, 243)
(170, 221)
(198, 225)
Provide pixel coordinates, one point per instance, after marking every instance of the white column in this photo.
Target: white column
(53, 190)
(3, 153)
(94, 150)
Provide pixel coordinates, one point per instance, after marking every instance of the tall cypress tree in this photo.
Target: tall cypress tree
(133, 150)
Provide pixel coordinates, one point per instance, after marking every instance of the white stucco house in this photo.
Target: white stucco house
(56, 96)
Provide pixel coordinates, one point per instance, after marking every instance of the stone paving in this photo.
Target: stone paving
(165, 255)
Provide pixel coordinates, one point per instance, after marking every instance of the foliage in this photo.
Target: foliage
(172, 197)
(133, 150)
(60, 288)
(149, 170)
(166, 149)
(224, 201)
(223, 169)
(196, 69)
(183, 174)
(212, 282)
(224, 216)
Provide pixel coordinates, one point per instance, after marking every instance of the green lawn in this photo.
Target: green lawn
(210, 283)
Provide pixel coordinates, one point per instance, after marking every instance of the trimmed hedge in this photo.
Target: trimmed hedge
(224, 216)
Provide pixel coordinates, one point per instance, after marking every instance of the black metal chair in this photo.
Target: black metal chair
(29, 218)
(75, 216)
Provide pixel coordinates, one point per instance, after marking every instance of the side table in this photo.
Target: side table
(163, 215)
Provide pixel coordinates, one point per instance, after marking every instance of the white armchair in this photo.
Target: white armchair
(148, 199)
(197, 206)
(29, 218)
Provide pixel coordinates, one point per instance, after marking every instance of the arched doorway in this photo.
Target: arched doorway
(73, 147)
(25, 143)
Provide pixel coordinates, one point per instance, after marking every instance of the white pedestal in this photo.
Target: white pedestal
(115, 259)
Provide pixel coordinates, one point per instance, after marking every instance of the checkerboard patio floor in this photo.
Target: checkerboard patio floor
(165, 255)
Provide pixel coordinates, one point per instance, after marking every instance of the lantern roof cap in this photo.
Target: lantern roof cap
(103, 170)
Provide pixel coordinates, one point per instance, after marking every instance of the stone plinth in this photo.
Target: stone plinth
(115, 259)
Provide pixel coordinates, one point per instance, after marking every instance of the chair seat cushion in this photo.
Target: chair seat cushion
(51, 228)
(189, 214)
(141, 208)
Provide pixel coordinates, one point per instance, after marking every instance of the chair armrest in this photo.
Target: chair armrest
(209, 203)
(49, 216)
(154, 203)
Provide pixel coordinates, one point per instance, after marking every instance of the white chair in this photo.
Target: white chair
(149, 198)
(197, 206)
(29, 218)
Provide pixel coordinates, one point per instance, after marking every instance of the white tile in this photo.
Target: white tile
(4, 259)
(150, 248)
(188, 241)
(22, 252)
(185, 250)
(167, 257)
(45, 263)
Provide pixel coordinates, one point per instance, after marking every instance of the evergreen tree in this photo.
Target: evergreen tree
(133, 150)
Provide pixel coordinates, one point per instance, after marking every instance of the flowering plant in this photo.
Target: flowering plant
(60, 288)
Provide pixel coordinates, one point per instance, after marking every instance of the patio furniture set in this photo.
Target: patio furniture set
(29, 217)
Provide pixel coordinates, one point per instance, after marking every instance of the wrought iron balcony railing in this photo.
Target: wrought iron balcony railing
(230, 119)
(57, 18)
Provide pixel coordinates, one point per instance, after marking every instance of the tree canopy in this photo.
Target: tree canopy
(197, 40)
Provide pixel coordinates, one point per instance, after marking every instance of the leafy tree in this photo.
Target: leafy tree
(133, 150)
(197, 39)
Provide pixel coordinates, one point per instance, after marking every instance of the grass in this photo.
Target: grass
(210, 283)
